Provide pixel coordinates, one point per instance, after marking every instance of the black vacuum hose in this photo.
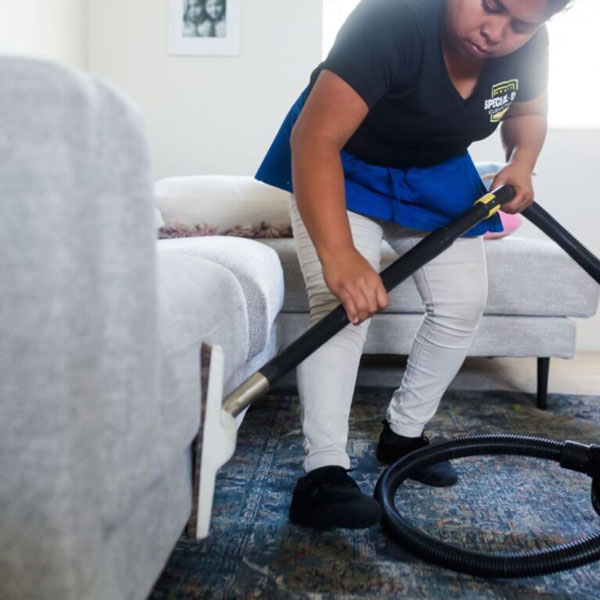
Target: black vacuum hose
(571, 455)
(573, 247)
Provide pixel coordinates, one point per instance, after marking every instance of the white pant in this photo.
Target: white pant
(453, 288)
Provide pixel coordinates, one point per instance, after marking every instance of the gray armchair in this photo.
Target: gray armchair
(100, 336)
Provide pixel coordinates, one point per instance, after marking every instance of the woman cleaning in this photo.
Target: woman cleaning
(376, 148)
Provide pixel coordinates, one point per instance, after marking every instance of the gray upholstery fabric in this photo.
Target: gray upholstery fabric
(78, 331)
(537, 278)
(135, 551)
(526, 278)
(100, 338)
(258, 270)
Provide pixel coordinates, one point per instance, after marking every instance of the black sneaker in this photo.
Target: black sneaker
(392, 447)
(329, 497)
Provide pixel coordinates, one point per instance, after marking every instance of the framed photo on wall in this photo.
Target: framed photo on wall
(204, 27)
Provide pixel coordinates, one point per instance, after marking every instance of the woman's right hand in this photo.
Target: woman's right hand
(358, 286)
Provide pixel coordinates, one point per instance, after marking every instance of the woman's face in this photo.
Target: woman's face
(194, 9)
(214, 9)
(479, 29)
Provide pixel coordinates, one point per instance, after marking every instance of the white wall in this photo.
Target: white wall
(54, 29)
(208, 114)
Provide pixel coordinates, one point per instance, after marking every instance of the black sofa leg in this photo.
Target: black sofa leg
(543, 370)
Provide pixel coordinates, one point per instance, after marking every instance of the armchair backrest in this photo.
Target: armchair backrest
(78, 327)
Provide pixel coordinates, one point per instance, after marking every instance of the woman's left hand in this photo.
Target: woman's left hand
(519, 176)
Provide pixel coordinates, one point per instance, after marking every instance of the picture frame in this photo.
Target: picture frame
(204, 27)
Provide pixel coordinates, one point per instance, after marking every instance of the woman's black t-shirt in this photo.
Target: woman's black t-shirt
(390, 53)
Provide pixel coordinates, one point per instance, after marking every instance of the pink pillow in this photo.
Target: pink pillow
(509, 222)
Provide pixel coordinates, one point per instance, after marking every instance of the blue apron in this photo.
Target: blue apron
(422, 198)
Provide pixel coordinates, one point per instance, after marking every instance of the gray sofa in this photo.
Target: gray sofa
(535, 289)
(100, 335)
(535, 292)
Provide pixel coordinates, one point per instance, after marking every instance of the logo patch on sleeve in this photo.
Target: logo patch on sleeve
(502, 96)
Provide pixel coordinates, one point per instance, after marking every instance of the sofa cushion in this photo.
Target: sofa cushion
(536, 277)
(526, 277)
(257, 269)
(196, 298)
(217, 203)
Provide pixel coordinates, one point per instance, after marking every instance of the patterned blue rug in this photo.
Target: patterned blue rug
(500, 504)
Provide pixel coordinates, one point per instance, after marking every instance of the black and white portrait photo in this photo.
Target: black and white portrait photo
(205, 18)
(204, 27)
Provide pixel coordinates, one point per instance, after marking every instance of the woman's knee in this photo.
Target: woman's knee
(463, 303)
(472, 307)
(461, 291)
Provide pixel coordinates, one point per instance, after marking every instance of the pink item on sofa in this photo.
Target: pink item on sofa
(509, 222)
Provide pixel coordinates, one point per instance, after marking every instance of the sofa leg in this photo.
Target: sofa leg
(543, 370)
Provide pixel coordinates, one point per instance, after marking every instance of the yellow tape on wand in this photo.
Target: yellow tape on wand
(486, 200)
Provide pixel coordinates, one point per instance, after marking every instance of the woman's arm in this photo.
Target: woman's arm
(332, 113)
(523, 133)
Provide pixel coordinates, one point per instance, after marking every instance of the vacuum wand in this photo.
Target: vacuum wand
(218, 430)
(427, 249)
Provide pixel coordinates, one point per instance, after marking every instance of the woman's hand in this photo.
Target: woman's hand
(519, 176)
(358, 286)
